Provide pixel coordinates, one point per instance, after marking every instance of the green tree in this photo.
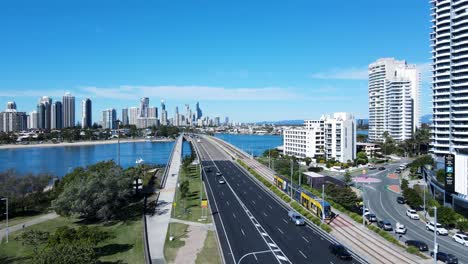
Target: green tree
(446, 216)
(462, 225)
(412, 197)
(440, 175)
(82, 234)
(184, 189)
(97, 192)
(404, 184)
(33, 238)
(361, 158)
(342, 195)
(73, 253)
(347, 177)
(307, 161)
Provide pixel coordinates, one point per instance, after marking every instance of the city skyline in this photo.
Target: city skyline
(257, 73)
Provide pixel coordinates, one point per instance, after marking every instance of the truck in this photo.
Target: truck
(296, 218)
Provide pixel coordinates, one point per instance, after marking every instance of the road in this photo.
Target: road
(251, 224)
(383, 203)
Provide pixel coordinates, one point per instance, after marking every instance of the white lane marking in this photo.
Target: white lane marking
(242, 231)
(302, 254)
(253, 201)
(305, 239)
(282, 258)
(233, 214)
(281, 231)
(227, 203)
(259, 197)
(222, 193)
(285, 221)
(270, 207)
(265, 214)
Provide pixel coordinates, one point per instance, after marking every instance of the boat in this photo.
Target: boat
(139, 161)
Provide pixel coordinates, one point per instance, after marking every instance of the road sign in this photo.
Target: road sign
(449, 173)
(204, 203)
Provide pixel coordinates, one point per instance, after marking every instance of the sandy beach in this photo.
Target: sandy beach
(81, 143)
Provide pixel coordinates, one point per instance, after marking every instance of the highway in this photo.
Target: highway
(252, 225)
(382, 202)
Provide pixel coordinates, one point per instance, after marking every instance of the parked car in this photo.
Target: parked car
(400, 200)
(400, 229)
(445, 257)
(381, 168)
(366, 211)
(221, 181)
(340, 251)
(371, 217)
(417, 244)
(208, 169)
(218, 173)
(412, 214)
(398, 171)
(372, 167)
(461, 238)
(385, 225)
(296, 218)
(438, 229)
(402, 166)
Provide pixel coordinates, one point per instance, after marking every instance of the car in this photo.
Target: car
(381, 168)
(385, 225)
(218, 173)
(400, 229)
(340, 251)
(438, 229)
(445, 257)
(365, 212)
(371, 217)
(461, 238)
(402, 167)
(398, 171)
(208, 169)
(296, 218)
(400, 200)
(372, 167)
(417, 244)
(221, 181)
(412, 214)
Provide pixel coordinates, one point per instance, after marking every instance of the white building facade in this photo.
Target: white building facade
(394, 104)
(330, 136)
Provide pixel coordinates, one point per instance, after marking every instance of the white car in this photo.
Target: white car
(366, 211)
(221, 181)
(412, 214)
(438, 229)
(460, 238)
(400, 229)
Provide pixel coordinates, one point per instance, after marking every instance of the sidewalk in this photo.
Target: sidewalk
(157, 224)
(29, 223)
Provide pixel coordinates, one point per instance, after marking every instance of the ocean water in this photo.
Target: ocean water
(255, 144)
(58, 161)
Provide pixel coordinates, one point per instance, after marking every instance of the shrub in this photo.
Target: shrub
(412, 250)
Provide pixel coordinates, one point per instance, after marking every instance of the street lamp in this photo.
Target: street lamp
(6, 213)
(118, 140)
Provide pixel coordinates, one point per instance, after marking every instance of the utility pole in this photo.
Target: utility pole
(323, 202)
(363, 205)
(435, 235)
(6, 213)
(292, 168)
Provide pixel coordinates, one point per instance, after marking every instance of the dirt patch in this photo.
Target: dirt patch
(193, 245)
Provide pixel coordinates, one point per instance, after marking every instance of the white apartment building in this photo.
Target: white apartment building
(394, 104)
(449, 76)
(330, 136)
(133, 115)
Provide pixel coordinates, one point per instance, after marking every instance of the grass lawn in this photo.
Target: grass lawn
(192, 202)
(209, 253)
(179, 232)
(125, 244)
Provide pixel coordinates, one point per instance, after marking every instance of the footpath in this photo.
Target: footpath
(362, 241)
(158, 223)
(29, 223)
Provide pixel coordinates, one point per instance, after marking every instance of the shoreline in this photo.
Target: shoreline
(82, 143)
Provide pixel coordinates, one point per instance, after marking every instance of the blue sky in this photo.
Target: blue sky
(250, 60)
